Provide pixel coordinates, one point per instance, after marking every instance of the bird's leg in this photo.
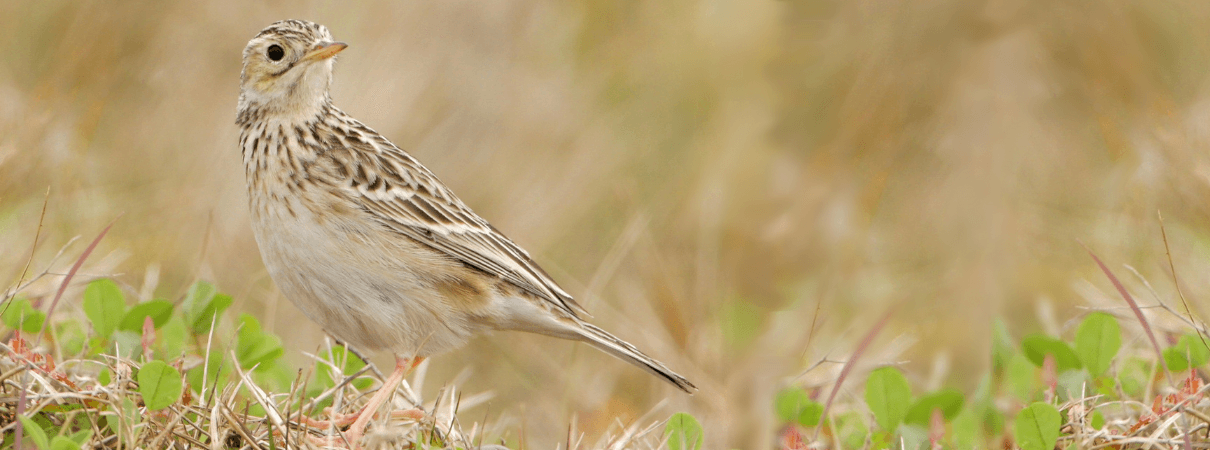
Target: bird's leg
(402, 367)
(339, 420)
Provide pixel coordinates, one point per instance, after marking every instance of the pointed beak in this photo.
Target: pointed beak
(324, 50)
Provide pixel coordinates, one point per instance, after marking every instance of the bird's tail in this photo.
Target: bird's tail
(624, 351)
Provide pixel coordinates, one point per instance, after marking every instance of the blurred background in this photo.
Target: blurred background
(740, 187)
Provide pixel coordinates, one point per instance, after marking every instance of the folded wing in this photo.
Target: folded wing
(408, 198)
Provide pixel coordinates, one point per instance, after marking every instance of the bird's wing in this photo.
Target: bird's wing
(408, 198)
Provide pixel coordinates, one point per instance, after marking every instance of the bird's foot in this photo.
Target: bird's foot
(355, 432)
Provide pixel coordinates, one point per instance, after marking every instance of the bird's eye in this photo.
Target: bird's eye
(275, 52)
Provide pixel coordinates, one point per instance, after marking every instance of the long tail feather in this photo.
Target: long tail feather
(620, 349)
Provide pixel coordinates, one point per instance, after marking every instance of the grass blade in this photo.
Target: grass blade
(1176, 283)
(32, 251)
(848, 365)
(70, 274)
(1134, 306)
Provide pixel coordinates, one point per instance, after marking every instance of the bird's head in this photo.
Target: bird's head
(287, 69)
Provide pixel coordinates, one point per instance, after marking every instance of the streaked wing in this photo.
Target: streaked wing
(409, 199)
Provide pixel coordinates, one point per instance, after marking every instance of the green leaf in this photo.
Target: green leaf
(811, 414)
(105, 377)
(852, 430)
(173, 337)
(1133, 376)
(1097, 342)
(255, 347)
(347, 362)
(159, 311)
(1188, 352)
(315, 391)
(880, 441)
(993, 421)
(14, 310)
(1037, 346)
(969, 427)
(216, 369)
(33, 321)
(71, 337)
(104, 305)
(794, 405)
(1072, 384)
(34, 432)
(1104, 385)
(128, 343)
(1021, 377)
(130, 411)
(684, 432)
(199, 295)
(966, 429)
(888, 395)
(95, 346)
(111, 422)
(20, 313)
(1037, 427)
(1175, 359)
(202, 304)
(949, 401)
(159, 384)
(1199, 354)
(82, 436)
(63, 443)
(1098, 420)
(274, 376)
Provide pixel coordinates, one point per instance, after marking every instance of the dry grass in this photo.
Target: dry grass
(115, 416)
(1173, 411)
(731, 185)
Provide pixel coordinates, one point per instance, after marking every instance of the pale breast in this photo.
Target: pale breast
(362, 283)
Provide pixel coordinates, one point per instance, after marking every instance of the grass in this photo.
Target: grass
(1029, 402)
(1043, 393)
(710, 178)
(178, 383)
(153, 375)
(181, 374)
(66, 401)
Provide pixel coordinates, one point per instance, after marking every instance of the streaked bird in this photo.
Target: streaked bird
(366, 241)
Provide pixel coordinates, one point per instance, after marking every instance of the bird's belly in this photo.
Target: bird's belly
(360, 289)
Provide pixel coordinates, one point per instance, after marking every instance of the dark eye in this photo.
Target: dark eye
(275, 52)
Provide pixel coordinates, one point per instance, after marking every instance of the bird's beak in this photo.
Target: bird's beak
(324, 50)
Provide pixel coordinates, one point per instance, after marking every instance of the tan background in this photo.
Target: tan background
(707, 176)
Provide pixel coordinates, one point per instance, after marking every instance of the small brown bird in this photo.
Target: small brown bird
(366, 241)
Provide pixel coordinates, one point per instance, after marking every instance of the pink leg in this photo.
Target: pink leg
(402, 367)
(338, 420)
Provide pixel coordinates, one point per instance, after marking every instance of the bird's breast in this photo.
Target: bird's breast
(363, 282)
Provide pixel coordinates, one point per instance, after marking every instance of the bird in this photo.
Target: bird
(368, 242)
